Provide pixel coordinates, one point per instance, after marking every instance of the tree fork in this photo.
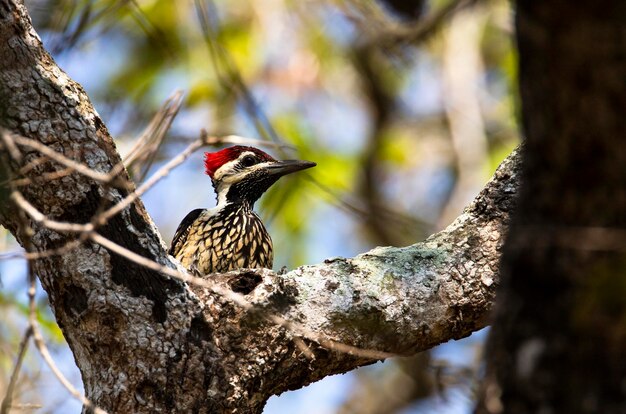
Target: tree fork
(145, 342)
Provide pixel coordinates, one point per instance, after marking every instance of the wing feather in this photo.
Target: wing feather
(183, 230)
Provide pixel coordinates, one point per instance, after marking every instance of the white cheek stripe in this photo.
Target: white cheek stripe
(226, 176)
(224, 168)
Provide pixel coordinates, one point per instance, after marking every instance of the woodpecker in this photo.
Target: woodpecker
(230, 235)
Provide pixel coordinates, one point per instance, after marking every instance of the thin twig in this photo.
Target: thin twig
(10, 140)
(154, 33)
(66, 248)
(8, 399)
(41, 218)
(229, 75)
(235, 139)
(10, 145)
(61, 159)
(45, 177)
(27, 406)
(102, 218)
(151, 139)
(354, 208)
(26, 235)
(45, 354)
(41, 346)
(32, 164)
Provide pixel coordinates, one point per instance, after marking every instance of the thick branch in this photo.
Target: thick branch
(399, 300)
(145, 342)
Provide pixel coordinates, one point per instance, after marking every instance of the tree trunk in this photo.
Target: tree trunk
(146, 342)
(559, 336)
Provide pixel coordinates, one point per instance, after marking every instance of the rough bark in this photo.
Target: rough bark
(558, 340)
(145, 342)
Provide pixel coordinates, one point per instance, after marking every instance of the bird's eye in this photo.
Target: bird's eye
(248, 161)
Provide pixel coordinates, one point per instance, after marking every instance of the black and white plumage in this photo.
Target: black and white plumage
(231, 236)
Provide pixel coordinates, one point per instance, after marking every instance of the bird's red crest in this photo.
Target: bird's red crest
(214, 160)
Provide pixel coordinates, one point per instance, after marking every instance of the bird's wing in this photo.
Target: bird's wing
(183, 229)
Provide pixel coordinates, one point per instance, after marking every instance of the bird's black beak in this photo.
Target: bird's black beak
(285, 167)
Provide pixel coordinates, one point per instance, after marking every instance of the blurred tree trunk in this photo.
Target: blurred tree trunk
(559, 334)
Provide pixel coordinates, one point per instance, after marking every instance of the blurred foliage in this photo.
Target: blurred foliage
(257, 68)
(286, 70)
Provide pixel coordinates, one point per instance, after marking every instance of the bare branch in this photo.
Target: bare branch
(22, 182)
(155, 178)
(7, 402)
(148, 143)
(228, 73)
(65, 249)
(33, 330)
(40, 344)
(39, 217)
(61, 159)
(10, 145)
